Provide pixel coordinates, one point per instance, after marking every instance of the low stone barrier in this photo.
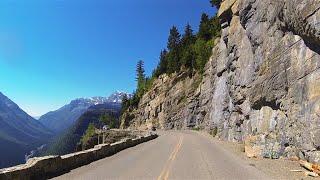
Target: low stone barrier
(51, 166)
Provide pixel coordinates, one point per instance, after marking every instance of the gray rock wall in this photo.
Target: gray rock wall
(261, 85)
(266, 88)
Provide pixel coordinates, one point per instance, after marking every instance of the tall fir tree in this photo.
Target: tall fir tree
(140, 77)
(125, 103)
(215, 27)
(163, 64)
(174, 38)
(204, 28)
(188, 36)
(187, 54)
(174, 50)
(216, 3)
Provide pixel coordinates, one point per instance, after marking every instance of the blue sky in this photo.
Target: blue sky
(54, 51)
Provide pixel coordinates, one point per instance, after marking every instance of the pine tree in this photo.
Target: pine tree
(88, 134)
(188, 39)
(215, 3)
(174, 38)
(174, 50)
(163, 62)
(215, 27)
(125, 103)
(204, 28)
(140, 78)
(188, 36)
(203, 52)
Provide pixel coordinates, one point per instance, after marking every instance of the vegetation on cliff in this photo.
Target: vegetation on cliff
(187, 52)
(216, 3)
(89, 133)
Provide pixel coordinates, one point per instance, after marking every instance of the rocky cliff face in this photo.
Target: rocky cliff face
(261, 85)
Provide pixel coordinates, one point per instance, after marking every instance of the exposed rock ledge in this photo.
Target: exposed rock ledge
(261, 85)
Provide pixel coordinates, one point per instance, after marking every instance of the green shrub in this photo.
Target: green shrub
(214, 131)
(89, 133)
(196, 128)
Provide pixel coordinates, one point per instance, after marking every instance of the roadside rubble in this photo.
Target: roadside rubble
(313, 169)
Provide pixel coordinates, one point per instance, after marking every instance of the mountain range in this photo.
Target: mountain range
(19, 133)
(67, 141)
(66, 116)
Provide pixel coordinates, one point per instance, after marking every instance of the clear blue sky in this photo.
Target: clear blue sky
(52, 51)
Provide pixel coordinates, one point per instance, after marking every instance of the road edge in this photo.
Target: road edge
(52, 166)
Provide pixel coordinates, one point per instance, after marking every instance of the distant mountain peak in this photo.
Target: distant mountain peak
(65, 116)
(117, 96)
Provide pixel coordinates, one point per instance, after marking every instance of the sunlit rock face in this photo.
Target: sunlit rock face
(261, 85)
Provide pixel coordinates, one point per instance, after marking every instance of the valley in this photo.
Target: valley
(23, 137)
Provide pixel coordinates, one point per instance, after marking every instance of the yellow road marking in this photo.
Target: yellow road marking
(166, 170)
(167, 175)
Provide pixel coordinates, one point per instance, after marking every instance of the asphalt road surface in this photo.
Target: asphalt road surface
(173, 155)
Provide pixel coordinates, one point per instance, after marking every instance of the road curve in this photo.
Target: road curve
(173, 155)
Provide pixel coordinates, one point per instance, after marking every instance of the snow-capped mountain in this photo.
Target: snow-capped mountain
(115, 97)
(64, 117)
(118, 96)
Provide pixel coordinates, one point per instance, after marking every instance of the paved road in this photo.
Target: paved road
(173, 155)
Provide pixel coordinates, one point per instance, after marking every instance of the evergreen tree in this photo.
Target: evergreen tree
(174, 50)
(174, 39)
(203, 52)
(188, 36)
(163, 62)
(215, 27)
(188, 39)
(215, 3)
(109, 119)
(204, 28)
(140, 78)
(88, 134)
(125, 103)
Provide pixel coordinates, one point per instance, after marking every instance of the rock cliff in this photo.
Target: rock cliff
(261, 85)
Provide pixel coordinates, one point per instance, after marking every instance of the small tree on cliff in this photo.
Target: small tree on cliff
(215, 3)
(174, 52)
(187, 54)
(163, 64)
(204, 28)
(125, 103)
(88, 134)
(140, 78)
(174, 38)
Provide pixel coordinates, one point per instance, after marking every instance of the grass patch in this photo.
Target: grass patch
(196, 128)
(214, 132)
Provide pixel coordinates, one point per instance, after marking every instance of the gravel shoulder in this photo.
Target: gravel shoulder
(276, 168)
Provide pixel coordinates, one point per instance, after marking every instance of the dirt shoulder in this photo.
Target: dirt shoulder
(276, 168)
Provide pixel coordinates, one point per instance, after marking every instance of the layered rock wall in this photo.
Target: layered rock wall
(261, 85)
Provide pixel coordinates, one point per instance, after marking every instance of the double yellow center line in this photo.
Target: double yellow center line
(166, 170)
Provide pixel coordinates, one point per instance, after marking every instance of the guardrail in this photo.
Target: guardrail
(52, 166)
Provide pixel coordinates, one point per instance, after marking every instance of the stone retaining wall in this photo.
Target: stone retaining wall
(51, 166)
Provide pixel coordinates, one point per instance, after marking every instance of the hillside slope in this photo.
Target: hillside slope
(261, 85)
(19, 133)
(67, 141)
